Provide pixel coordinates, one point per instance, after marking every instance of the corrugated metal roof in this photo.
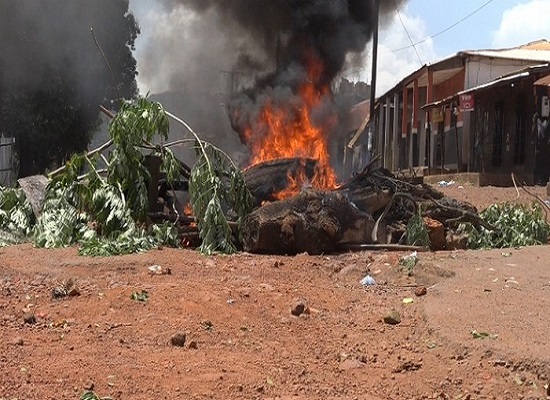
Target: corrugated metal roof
(533, 51)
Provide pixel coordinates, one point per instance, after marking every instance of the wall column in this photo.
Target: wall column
(395, 141)
(387, 136)
(414, 130)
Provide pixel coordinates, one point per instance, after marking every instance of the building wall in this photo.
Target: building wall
(503, 138)
(480, 70)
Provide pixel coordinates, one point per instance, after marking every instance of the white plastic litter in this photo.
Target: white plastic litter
(445, 183)
(367, 281)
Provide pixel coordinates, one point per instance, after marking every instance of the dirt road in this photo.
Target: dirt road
(243, 341)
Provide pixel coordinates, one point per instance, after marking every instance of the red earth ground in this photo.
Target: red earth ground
(243, 342)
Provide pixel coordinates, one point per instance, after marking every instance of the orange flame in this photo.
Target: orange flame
(289, 132)
(188, 209)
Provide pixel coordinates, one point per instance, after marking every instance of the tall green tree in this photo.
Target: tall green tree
(53, 76)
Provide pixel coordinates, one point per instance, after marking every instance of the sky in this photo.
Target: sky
(437, 28)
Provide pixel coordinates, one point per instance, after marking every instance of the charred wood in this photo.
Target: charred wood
(266, 179)
(312, 222)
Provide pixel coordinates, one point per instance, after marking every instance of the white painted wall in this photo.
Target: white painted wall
(483, 70)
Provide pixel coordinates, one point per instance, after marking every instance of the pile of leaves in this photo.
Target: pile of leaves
(515, 225)
(104, 210)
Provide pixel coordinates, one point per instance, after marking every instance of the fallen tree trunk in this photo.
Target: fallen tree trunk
(312, 222)
(266, 179)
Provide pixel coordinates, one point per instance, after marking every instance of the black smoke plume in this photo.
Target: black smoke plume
(266, 47)
(288, 35)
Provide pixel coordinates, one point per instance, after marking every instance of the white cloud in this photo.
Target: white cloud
(396, 56)
(522, 24)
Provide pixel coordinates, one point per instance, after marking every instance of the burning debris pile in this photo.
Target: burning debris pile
(372, 208)
(290, 111)
(125, 207)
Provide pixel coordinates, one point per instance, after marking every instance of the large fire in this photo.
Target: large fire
(288, 131)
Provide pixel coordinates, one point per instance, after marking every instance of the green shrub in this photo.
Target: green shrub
(515, 225)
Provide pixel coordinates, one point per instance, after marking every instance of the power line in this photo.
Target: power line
(444, 30)
(409, 36)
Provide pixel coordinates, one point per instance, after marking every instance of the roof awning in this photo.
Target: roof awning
(494, 83)
(440, 103)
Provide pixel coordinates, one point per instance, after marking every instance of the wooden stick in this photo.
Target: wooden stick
(545, 206)
(515, 185)
(104, 146)
(370, 246)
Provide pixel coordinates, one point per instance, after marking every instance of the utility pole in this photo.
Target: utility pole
(371, 133)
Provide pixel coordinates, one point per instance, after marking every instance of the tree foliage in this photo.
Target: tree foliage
(105, 214)
(516, 225)
(53, 78)
(217, 186)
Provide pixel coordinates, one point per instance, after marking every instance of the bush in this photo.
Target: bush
(515, 225)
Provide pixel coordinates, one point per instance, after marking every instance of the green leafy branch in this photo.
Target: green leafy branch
(216, 187)
(518, 225)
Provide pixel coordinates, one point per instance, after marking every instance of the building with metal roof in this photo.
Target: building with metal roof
(456, 114)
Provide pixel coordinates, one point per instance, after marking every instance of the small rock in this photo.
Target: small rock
(348, 364)
(18, 341)
(73, 292)
(420, 291)
(29, 318)
(392, 318)
(89, 386)
(178, 339)
(548, 389)
(193, 345)
(299, 307)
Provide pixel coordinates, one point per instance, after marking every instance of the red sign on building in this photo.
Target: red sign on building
(466, 102)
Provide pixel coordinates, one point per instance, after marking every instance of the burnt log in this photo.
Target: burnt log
(266, 179)
(313, 222)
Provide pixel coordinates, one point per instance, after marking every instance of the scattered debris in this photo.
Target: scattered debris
(67, 288)
(159, 270)
(90, 395)
(299, 307)
(420, 291)
(445, 183)
(482, 335)
(367, 281)
(407, 366)
(29, 318)
(140, 296)
(350, 363)
(409, 262)
(178, 339)
(392, 318)
(207, 325)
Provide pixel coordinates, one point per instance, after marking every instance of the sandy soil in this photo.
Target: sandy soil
(242, 340)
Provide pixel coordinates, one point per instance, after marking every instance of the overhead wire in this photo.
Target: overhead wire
(409, 36)
(442, 31)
